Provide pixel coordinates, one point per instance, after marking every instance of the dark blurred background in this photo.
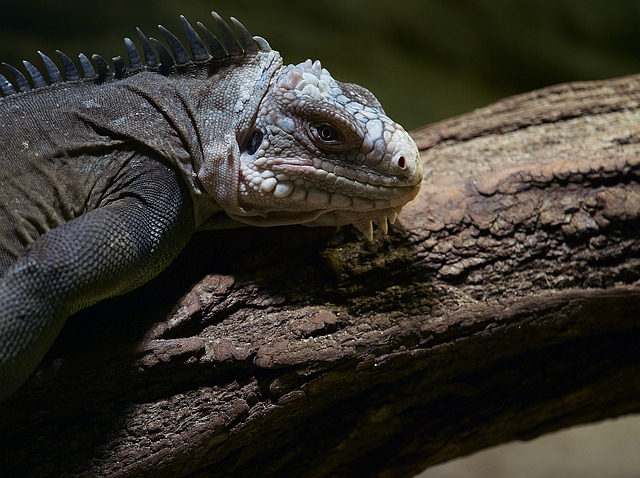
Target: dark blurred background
(426, 60)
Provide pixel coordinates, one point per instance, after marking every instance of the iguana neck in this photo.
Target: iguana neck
(194, 120)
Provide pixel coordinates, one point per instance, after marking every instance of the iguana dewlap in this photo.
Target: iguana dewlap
(107, 170)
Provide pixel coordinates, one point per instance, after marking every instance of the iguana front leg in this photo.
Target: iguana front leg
(137, 230)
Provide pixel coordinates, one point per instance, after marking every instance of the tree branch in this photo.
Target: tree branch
(502, 306)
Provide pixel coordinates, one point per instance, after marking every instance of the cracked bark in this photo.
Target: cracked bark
(503, 305)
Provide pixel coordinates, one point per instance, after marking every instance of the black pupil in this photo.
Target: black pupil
(254, 142)
(327, 134)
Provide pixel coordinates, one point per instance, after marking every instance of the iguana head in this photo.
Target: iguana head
(321, 152)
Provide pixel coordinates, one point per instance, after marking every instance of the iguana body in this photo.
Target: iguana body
(105, 175)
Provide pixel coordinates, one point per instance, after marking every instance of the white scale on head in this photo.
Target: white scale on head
(317, 84)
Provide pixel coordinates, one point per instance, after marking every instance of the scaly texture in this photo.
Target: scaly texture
(305, 353)
(107, 169)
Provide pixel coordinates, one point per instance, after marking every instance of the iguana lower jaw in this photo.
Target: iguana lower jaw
(324, 153)
(362, 221)
(336, 209)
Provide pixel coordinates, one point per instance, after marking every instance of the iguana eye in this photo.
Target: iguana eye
(326, 135)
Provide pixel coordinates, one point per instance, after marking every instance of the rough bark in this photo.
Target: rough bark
(503, 305)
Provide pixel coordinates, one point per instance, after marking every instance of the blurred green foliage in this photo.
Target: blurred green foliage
(426, 60)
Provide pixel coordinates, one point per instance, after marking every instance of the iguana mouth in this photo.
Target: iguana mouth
(302, 190)
(327, 185)
(362, 220)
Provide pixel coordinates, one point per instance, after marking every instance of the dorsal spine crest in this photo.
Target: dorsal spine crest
(202, 49)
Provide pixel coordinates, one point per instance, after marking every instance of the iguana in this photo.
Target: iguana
(107, 169)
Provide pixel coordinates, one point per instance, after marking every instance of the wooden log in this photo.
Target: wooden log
(502, 305)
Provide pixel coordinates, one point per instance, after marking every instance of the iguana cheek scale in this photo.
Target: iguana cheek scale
(107, 169)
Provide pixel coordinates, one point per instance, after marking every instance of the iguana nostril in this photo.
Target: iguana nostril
(402, 163)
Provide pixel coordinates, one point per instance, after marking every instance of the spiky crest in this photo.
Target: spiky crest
(155, 56)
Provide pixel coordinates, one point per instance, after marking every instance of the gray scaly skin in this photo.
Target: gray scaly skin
(105, 174)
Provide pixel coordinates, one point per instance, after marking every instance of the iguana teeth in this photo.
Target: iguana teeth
(382, 225)
(366, 228)
(393, 216)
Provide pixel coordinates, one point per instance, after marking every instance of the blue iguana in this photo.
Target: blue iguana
(107, 168)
